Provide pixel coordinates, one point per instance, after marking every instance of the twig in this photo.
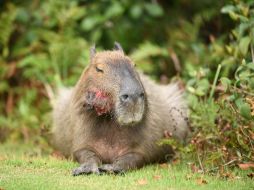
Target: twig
(242, 91)
(251, 45)
(175, 61)
(215, 81)
(231, 161)
(200, 163)
(252, 53)
(228, 163)
(247, 137)
(50, 94)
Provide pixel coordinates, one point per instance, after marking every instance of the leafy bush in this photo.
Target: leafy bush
(222, 113)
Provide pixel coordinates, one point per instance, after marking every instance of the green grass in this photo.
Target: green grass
(27, 167)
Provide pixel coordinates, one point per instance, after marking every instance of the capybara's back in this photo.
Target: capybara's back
(114, 117)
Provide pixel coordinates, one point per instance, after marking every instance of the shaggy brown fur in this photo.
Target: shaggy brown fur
(104, 133)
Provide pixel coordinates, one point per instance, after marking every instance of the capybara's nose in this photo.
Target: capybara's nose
(131, 97)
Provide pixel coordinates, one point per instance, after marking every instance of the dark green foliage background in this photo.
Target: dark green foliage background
(207, 44)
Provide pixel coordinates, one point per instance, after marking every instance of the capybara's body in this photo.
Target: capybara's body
(115, 117)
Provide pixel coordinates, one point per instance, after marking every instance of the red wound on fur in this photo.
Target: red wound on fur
(102, 102)
(100, 94)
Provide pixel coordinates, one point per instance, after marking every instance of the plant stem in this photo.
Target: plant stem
(215, 81)
(252, 53)
(251, 46)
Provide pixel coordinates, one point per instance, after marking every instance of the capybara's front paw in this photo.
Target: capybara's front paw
(111, 168)
(86, 169)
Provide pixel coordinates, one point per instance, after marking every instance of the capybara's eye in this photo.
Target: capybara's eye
(99, 69)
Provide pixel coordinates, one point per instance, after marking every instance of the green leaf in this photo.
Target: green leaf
(96, 35)
(243, 18)
(203, 87)
(225, 83)
(4, 86)
(250, 66)
(154, 9)
(22, 15)
(192, 100)
(244, 45)
(234, 16)
(228, 8)
(191, 89)
(228, 61)
(89, 23)
(251, 83)
(232, 97)
(114, 10)
(148, 49)
(245, 110)
(239, 102)
(6, 27)
(136, 11)
(243, 27)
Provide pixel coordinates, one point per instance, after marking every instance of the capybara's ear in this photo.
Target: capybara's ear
(118, 47)
(92, 53)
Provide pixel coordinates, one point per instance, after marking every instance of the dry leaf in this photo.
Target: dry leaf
(142, 182)
(246, 166)
(251, 175)
(194, 168)
(201, 181)
(188, 176)
(167, 134)
(176, 161)
(156, 177)
(57, 155)
(228, 175)
(164, 165)
(2, 158)
(238, 177)
(12, 69)
(9, 103)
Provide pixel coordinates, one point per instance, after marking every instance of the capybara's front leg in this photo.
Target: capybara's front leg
(123, 163)
(89, 162)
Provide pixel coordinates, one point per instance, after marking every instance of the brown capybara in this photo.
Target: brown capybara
(114, 117)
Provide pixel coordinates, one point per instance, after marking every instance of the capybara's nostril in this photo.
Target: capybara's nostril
(142, 95)
(124, 98)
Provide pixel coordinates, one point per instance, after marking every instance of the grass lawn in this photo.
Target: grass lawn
(25, 167)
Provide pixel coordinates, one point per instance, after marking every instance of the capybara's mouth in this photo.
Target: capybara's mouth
(130, 115)
(128, 121)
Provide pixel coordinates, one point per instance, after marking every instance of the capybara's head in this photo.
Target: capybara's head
(111, 86)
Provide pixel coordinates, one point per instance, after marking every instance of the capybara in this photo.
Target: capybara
(114, 117)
